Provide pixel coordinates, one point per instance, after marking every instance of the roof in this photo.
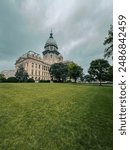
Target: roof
(51, 41)
(48, 51)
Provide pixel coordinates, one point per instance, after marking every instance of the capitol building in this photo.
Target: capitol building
(38, 66)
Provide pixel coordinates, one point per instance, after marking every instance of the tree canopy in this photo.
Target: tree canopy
(59, 72)
(62, 71)
(21, 74)
(2, 78)
(89, 78)
(99, 69)
(109, 41)
(74, 71)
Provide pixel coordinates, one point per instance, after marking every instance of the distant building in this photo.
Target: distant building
(8, 73)
(38, 67)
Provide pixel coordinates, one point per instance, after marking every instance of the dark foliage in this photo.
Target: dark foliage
(99, 69)
(44, 81)
(31, 80)
(109, 41)
(59, 72)
(12, 80)
(21, 74)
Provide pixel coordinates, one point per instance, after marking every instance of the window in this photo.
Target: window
(39, 66)
(32, 65)
(36, 72)
(32, 72)
(39, 73)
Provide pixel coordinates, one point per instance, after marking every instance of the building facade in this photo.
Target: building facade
(38, 66)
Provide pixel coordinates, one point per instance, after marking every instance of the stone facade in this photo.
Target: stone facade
(38, 67)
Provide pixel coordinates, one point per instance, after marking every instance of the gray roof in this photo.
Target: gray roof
(51, 41)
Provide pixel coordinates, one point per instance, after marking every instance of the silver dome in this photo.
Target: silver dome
(51, 42)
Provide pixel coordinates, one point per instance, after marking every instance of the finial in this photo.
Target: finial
(51, 34)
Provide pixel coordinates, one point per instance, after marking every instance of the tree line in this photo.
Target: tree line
(99, 69)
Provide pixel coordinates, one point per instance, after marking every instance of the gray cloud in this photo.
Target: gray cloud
(79, 27)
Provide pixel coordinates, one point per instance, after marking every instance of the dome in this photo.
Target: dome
(51, 42)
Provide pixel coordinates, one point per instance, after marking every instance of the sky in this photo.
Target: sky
(79, 28)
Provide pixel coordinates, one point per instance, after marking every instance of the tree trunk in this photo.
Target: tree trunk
(100, 82)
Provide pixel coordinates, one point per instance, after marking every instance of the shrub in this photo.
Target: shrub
(44, 81)
(69, 81)
(12, 80)
(31, 80)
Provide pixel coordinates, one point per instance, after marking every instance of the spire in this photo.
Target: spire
(51, 34)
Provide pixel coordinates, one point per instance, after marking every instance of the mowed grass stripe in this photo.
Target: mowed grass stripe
(55, 117)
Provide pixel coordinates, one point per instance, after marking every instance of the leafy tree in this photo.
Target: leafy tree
(99, 69)
(89, 78)
(59, 71)
(109, 41)
(110, 73)
(21, 74)
(2, 78)
(74, 71)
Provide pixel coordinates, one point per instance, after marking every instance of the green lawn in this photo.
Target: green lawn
(54, 116)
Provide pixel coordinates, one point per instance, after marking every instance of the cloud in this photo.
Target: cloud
(79, 27)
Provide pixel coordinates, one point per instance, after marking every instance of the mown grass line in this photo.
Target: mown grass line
(55, 117)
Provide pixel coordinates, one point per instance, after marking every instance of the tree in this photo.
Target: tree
(89, 78)
(21, 74)
(99, 69)
(74, 71)
(110, 73)
(2, 78)
(59, 71)
(109, 41)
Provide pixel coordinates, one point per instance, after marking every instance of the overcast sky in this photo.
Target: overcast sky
(79, 27)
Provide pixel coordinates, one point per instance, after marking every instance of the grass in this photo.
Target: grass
(55, 117)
